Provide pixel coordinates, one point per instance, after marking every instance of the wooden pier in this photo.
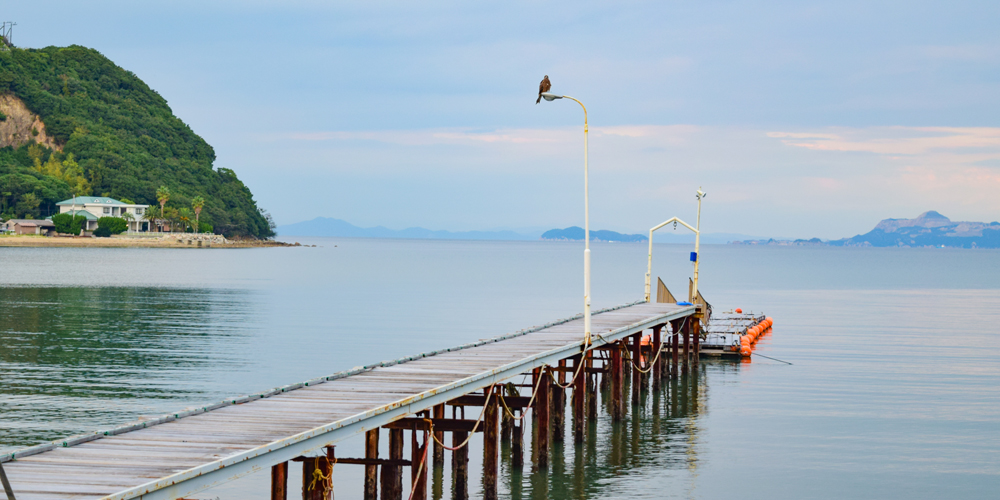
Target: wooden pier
(180, 454)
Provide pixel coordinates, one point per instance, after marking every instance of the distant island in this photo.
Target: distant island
(929, 229)
(575, 233)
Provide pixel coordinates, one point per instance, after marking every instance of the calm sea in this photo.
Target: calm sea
(894, 390)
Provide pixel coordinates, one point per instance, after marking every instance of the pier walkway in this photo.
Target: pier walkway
(183, 453)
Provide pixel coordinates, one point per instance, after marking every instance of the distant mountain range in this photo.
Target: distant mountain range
(930, 229)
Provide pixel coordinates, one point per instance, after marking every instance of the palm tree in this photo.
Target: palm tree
(150, 216)
(128, 220)
(197, 204)
(162, 195)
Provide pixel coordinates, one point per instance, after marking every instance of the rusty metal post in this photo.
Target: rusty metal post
(438, 449)
(616, 382)
(314, 488)
(591, 392)
(696, 335)
(371, 471)
(559, 406)
(418, 474)
(542, 416)
(392, 475)
(675, 351)
(460, 459)
(579, 392)
(658, 365)
(517, 442)
(637, 363)
(279, 481)
(491, 446)
(687, 343)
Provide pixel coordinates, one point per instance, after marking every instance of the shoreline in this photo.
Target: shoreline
(167, 241)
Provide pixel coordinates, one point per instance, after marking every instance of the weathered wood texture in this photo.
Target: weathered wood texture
(113, 464)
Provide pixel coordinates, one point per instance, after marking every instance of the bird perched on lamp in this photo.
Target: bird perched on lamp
(543, 87)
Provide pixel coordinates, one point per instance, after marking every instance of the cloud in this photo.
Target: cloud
(898, 140)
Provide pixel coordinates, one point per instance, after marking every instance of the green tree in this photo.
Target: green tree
(151, 215)
(28, 206)
(114, 225)
(68, 224)
(162, 196)
(197, 203)
(129, 218)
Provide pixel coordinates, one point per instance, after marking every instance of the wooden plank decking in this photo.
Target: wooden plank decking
(189, 454)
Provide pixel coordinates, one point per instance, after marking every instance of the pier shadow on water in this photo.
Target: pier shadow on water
(75, 360)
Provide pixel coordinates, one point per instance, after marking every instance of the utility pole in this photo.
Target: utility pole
(6, 30)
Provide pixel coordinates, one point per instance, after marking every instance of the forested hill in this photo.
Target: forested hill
(73, 123)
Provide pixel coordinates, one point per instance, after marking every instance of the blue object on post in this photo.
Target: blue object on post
(694, 256)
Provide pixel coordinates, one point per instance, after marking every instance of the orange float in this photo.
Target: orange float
(745, 351)
(739, 311)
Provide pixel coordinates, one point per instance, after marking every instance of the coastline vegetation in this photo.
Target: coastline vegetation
(113, 136)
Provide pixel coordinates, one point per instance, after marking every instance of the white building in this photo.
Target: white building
(95, 207)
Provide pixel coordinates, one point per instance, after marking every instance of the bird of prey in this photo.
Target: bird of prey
(543, 87)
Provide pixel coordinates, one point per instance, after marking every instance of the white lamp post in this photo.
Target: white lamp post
(586, 218)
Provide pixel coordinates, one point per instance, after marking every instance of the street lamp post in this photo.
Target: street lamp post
(586, 219)
(697, 251)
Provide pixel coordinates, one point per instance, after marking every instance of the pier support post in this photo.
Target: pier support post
(460, 465)
(675, 351)
(655, 354)
(491, 445)
(636, 364)
(542, 419)
(279, 481)
(687, 343)
(696, 339)
(517, 442)
(559, 406)
(371, 471)
(313, 487)
(579, 392)
(591, 392)
(392, 475)
(616, 382)
(418, 474)
(438, 449)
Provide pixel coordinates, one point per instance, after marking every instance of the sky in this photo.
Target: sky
(799, 119)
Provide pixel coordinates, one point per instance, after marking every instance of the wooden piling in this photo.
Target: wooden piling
(438, 449)
(636, 364)
(579, 394)
(279, 481)
(460, 462)
(542, 419)
(392, 475)
(491, 446)
(418, 473)
(371, 471)
(655, 354)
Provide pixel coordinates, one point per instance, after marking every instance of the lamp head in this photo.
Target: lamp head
(701, 194)
(548, 96)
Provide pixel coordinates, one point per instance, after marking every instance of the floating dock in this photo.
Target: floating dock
(186, 452)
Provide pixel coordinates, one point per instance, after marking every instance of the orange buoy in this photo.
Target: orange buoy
(745, 340)
(745, 351)
(739, 311)
(770, 320)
